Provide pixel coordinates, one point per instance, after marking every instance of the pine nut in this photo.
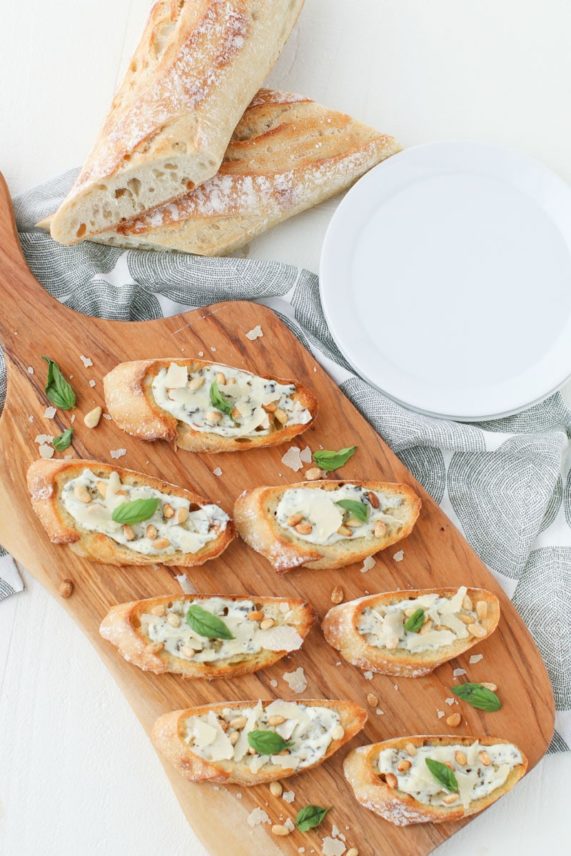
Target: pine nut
(281, 416)
(461, 759)
(161, 544)
(151, 532)
(196, 383)
(221, 379)
(449, 799)
(403, 766)
(490, 686)
(411, 749)
(353, 522)
(91, 419)
(66, 589)
(304, 528)
(453, 720)
(276, 789)
(482, 609)
(295, 519)
(271, 407)
(372, 700)
(313, 474)
(255, 616)
(337, 595)
(476, 630)
(426, 627)
(373, 499)
(102, 489)
(234, 737)
(276, 720)
(391, 780)
(485, 759)
(181, 515)
(380, 529)
(81, 493)
(467, 603)
(345, 531)
(466, 619)
(236, 415)
(352, 852)
(338, 733)
(159, 610)
(279, 829)
(187, 652)
(267, 623)
(128, 533)
(173, 619)
(168, 511)
(238, 722)
(213, 416)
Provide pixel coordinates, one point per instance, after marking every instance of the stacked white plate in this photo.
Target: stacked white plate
(446, 280)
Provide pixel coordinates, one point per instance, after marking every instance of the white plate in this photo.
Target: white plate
(446, 279)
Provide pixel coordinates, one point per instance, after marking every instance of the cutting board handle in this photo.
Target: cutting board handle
(26, 308)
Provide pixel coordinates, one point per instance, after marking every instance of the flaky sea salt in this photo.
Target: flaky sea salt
(289, 825)
(459, 672)
(258, 816)
(46, 451)
(217, 471)
(368, 565)
(332, 847)
(42, 439)
(92, 383)
(440, 714)
(273, 683)
(87, 361)
(185, 584)
(399, 556)
(292, 459)
(255, 333)
(288, 796)
(296, 680)
(50, 412)
(305, 455)
(368, 675)
(449, 701)
(117, 453)
(30, 370)
(475, 658)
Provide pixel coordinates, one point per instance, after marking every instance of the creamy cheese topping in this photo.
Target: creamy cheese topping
(167, 624)
(479, 771)
(313, 514)
(446, 620)
(259, 405)
(223, 736)
(91, 500)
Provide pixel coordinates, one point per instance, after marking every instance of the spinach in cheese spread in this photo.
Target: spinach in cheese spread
(322, 516)
(445, 621)
(271, 628)
(309, 732)
(479, 771)
(256, 405)
(173, 527)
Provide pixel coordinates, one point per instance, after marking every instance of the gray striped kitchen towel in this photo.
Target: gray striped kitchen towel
(506, 484)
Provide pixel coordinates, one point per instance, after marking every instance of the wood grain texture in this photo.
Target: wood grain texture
(31, 324)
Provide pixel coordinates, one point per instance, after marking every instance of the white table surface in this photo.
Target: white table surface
(77, 773)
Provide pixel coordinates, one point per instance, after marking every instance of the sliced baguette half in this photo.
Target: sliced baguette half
(257, 516)
(132, 402)
(57, 486)
(154, 634)
(343, 719)
(287, 154)
(381, 794)
(341, 630)
(198, 65)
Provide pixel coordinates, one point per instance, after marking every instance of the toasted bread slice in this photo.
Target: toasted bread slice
(265, 411)
(357, 629)
(287, 154)
(303, 525)
(204, 750)
(155, 635)
(196, 69)
(386, 791)
(75, 501)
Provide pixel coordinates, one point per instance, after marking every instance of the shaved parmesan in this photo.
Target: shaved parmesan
(292, 459)
(255, 333)
(296, 680)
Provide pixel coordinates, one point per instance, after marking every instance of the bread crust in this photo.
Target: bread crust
(197, 66)
(340, 630)
(256, 525)
(122, 628)
(168, 730)
(286, 155)
(402, 809)
(47, 478)
(130, 401)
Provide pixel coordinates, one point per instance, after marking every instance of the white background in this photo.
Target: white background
(77, 774)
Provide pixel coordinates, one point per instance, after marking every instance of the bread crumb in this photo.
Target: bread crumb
(238, 795)
(92, 383)
(368, 675)
(107, 416)
(117, 453)
(296, 680)
(396, 687)
(288, 796)
(398, 557)
(30, 418)
(368, 564)
(30, 370)
(257, 816)
(292, 459)
(440, 714)
(459, 672)
(87, 361)
(475, 658)
(50, 412)
(305, 455)
(217, 472)
(255, 333)
(46, 451)
(332, 847)
(185, 584)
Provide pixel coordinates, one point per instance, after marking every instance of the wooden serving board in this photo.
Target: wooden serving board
(33, 324)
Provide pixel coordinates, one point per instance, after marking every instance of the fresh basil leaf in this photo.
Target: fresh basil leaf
(310, 816)
(267, 742)
(329, 461)
(135, 511)
(359, 510)
(63, 442)
(206, 624)
(58, 390)
(219, 400)
(415, 621)
(478, 696)
(443, 774)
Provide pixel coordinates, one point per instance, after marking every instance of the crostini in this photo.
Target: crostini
(325, 524)
(433, 779)
(409, 633)
(207, 636)
(249, 743)
(121, 517)
(206, 407)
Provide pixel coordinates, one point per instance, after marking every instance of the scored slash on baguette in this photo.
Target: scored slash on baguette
(340, 628)
(122, 628)
(254, 516)
(168, 737)
(197, 66)
(46, 480)
(130, 401)
(371, 791)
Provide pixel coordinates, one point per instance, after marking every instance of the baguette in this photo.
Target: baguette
(75, 501)
(154, 635)
(382, 787)
(203, 750)
(265, 412)
(197, 67)
(303, 525)
(287, 154)
(359, 630)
